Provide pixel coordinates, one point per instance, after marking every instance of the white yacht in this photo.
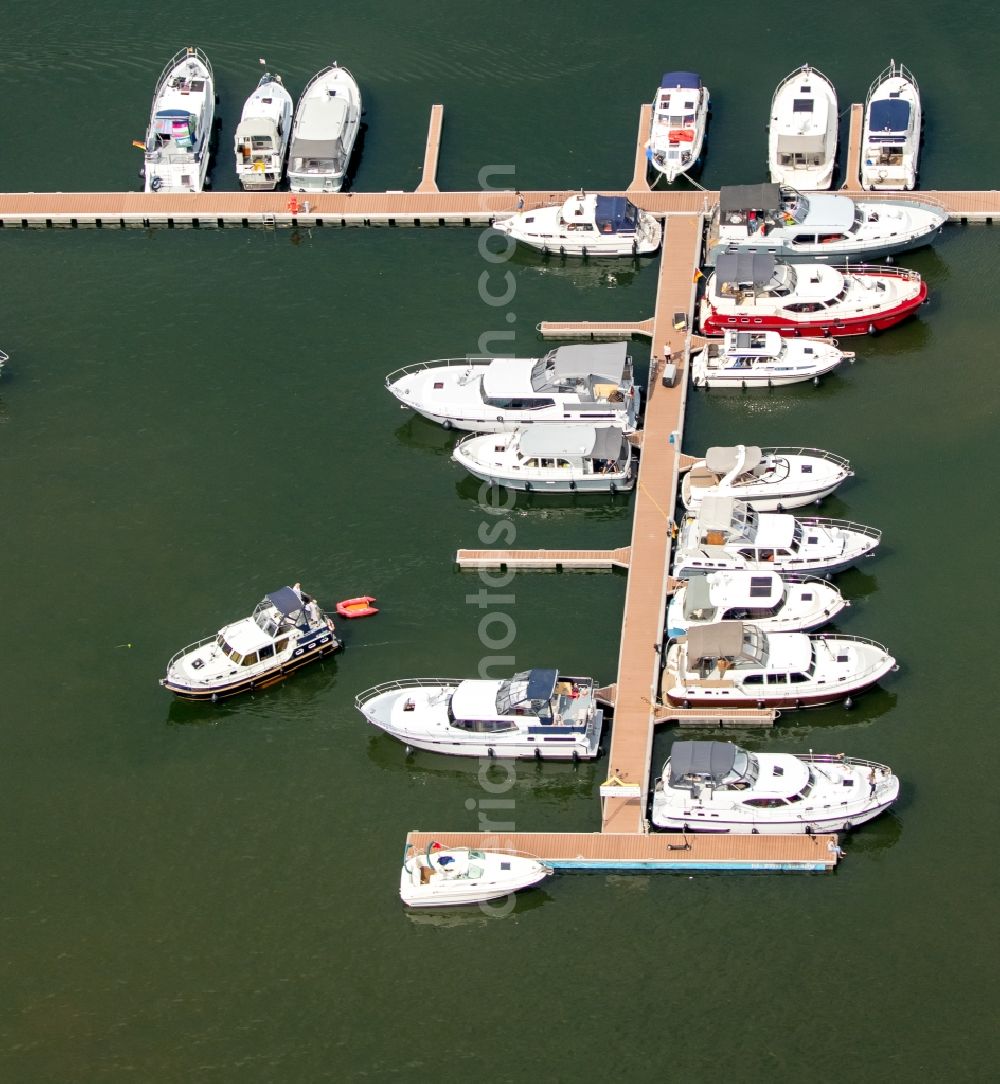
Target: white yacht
(768, 479)
(713, 786)
(733, 664)
(262, 135)
(764, 359)
(787, 603)
(286, 631)
(327, 122)
(820, 226)
(180, 125)
(753, 291)
(802, 142)
(585, 225)
(454, 876)
(677, 129)
(553, 458)
(590, 384)
(537, 713)
(890, 144)
(723, 534)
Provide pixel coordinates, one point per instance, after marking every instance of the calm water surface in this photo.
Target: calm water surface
(191, 419)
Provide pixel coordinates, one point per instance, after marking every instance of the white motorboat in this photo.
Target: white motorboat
(723, 534)
(733, 664)
(764, 359)
(590, 384)
(455, 876)
(753, 291)
(585, 225)
(326, 125)
(262, 135)
(286, 631)
(553, 458)
(802, 140)
(712, 786)
(787, 603)
(677, 128)
(180, 125)
(768, 479)
(890, 143)
(820, 226)
(536, 713)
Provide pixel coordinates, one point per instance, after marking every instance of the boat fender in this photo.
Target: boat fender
(156, 184)
(538, 753)
(614, 489)
(871, 329)
(447, 424)
(562, 251)
(815, 381)
(584, 251)
(576, 756)
(635, 248)
(527, 487)
(848, 703)
(215, 698)
(499, 417)
(490, 752)
(572, 485)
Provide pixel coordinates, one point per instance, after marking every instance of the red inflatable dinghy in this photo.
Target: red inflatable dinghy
(357, 607)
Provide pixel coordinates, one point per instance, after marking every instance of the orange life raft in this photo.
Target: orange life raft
(357, 607)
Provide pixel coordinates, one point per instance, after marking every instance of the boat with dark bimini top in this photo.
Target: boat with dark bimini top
(286, 631)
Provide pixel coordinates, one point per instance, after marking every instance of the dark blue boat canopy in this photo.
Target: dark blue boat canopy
(286, 601)
(670, 80)
(887, 116)
(615, 213)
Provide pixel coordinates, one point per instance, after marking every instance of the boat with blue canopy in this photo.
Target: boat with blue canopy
(677, 125)
(890, 145)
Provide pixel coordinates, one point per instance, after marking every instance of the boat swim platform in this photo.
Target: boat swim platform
(541, 559)
(660, 851)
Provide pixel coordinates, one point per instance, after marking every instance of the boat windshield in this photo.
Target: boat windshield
(228, 649)
(512, 692)
(754, 645)
(744, 771)
(794, 207)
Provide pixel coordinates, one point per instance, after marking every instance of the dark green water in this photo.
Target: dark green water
(193, 418)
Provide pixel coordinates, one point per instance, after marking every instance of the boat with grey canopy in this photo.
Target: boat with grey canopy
(792, 225)
(790, 602)
(723, 533)
(734, 664)
(768, 479)
(326, 126)
(552, 458)
(536, 713)
(286, 631)
(713, 786)
(588, 383)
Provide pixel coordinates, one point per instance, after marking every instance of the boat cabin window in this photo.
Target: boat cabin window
(249, 660)
(749, 613)
(484, 726)
(519, 404)
(764, 803)
(266, 652)
(281, 645)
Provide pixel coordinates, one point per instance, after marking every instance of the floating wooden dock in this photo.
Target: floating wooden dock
(428, 175)
(852, 176)
(617, 558)
(674, 851)
(595, 329)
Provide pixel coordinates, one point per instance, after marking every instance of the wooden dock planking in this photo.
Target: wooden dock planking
(717, 718)
(639, 173)
(616, 558)
(654, 851)
(645, 600)
(428, 175)
(852, 176)
(594, 329)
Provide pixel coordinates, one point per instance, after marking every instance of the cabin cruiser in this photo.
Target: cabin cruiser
(453, 876)
(890, 143)
(714, 786)
(819, 226)
(790, 602)
(590, 384)
(753, 291)
(180, 125)
(677, 129)
(763, 359)
(553, 458)
(286, 631)
(327, 122)
(734, 664)
(585, 225)
(536, 713)
(723, 534)
(802, 141)
(262, 135)
(768, 479)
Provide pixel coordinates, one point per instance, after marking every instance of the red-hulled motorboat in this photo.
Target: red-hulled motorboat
(357, 607)
(754, 291)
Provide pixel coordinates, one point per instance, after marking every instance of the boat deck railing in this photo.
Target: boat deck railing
(849, 638)
(813, 453)
(192, 647)
(894, 71)
(841, 524)
(404, 683)
(438, 363)
(839, 758)
(180, 56)
(881, 269)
